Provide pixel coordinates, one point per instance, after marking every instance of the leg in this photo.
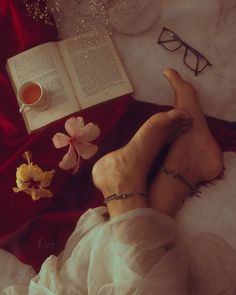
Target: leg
(125, 170)
(141, 237)
(195, 155)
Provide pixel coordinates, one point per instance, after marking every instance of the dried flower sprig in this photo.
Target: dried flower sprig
(39, 10)
(87, 15)
(32, 180)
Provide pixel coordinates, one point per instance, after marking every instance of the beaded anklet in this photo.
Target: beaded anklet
(124, 196)
(194, 191)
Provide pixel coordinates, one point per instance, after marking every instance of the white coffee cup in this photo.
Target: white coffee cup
(31, 96)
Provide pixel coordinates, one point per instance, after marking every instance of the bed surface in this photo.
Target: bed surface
(34, 230)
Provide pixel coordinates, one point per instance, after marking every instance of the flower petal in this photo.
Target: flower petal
(89, 132)
(37, 194)
(36, 173)
(87, 150)
(73, 125)
(76, 168)
(60, 140)
(41, 193)
(23, 172)
(69, 160)
(46, 178)
(34, 194)
(16, 189)
(21, 184)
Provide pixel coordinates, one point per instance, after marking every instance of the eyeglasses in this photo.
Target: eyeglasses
(192, 58)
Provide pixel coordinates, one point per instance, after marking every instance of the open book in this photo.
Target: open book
(76, 73)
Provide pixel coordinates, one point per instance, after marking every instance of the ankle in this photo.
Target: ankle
(168, 197)
(118, 207)
(186, 178)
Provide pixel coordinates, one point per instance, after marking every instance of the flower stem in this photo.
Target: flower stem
(28, 157)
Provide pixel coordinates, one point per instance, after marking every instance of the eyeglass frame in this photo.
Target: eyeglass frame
(187, 47)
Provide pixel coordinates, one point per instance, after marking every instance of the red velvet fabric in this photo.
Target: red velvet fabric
(34, 230)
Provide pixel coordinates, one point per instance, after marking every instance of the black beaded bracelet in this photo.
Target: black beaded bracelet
(194, 191)
(124, 196)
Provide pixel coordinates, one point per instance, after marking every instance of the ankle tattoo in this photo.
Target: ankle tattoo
(194, 190)
(124, 196)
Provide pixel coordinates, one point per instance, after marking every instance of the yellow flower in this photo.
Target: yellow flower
(32, 180)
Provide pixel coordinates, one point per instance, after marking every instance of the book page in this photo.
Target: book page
(95, 68)
(44, 65)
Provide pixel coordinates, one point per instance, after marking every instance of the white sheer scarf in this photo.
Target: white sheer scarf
(127, 255)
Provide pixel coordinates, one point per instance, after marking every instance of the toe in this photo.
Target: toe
(174, 78)
(180, 86)
(185, 94)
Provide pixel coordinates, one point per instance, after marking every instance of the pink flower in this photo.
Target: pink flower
(78, 140)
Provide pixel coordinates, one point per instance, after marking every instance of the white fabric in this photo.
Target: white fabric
(214, 211)
(123, 256)
(13, 272)
(213, 266)
(128, 255)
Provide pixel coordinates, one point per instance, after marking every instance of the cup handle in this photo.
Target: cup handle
(22, 108)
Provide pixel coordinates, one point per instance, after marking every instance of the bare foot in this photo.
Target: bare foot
(125, 170)
(195, 155)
